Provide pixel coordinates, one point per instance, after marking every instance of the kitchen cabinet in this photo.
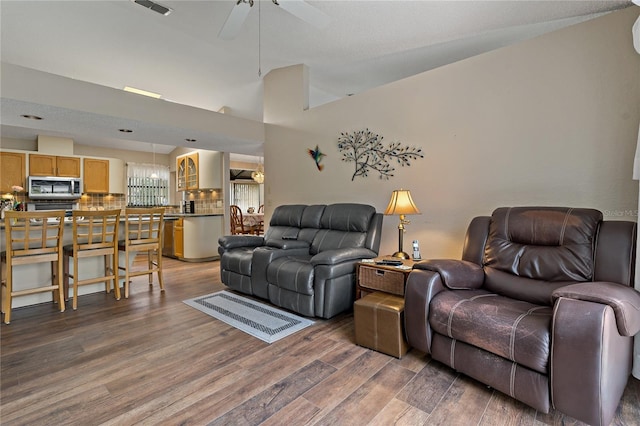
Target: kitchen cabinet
(53, 165)
(187, 172)
(178, 238)
(199, 170)
(12, 170)
(96, 176)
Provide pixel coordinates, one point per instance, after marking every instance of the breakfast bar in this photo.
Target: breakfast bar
(40, 274)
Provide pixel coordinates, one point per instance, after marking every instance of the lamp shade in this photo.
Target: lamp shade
(401, 203)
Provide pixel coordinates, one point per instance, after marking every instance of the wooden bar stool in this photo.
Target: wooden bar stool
(95, 233)
(143, 229)
(32, 237)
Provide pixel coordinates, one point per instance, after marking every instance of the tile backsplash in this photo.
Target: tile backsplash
(107, 201)
(206, 201)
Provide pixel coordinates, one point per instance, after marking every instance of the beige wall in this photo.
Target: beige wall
(22, 144)
(550, 121)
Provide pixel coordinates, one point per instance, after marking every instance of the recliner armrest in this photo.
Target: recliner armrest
(234, 241)
(624, 300)
(455, 274)
(333, 257)
(422, 286)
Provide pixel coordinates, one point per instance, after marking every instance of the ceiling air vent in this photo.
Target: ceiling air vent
(154, 6)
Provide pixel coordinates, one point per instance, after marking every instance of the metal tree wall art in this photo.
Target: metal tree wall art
(366, 149)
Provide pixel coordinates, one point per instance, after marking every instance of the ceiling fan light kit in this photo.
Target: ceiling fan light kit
(298, 8)
(162, 10)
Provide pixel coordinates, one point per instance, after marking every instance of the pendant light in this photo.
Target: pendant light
(154, 175)
(258, 174)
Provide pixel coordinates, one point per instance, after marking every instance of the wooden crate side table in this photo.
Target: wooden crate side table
(371, 277)
(379, 308)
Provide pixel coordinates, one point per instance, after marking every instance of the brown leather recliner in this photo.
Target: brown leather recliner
(541, 307)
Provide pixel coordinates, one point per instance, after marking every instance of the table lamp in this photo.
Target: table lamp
(401, 204)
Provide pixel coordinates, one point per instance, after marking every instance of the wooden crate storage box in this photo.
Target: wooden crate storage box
(386, 280)
(379, 323)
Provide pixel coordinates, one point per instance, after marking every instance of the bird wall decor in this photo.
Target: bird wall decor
(317, 157)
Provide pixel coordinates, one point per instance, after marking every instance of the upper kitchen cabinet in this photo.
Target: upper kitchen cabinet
(12, 170)
(187, 171)
(199, 170)
(96, 176)
(53, 165)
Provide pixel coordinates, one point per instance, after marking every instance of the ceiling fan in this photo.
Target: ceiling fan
(298, 8)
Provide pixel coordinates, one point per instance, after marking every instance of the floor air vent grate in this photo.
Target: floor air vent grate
(154, 6)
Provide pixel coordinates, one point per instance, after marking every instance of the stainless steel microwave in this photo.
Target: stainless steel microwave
(54, 188)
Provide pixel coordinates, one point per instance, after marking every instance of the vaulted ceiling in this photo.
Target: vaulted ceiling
(180, 56)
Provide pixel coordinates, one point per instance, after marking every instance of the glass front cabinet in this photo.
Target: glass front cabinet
(187, 172)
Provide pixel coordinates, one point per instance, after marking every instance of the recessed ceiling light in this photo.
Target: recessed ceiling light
(31, 117)
(126, 130)
(191, 140)
(142, 92)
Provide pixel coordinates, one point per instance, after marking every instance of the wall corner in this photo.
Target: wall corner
(286, 93)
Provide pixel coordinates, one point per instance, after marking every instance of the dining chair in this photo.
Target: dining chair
(261, 223)
(95, 233)
(32, 237)
(143, 229)
(237, 222)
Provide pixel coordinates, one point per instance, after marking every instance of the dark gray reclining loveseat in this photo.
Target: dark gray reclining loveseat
(306, 260)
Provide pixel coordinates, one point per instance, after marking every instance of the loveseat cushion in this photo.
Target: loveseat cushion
(292, 273)
(328, 239)
(516, 330)
(312, 215)
(343, 225)
(288, 215)
(543, 243)
(347, 217)
(293, 223)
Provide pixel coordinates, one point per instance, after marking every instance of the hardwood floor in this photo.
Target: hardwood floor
(152, 359)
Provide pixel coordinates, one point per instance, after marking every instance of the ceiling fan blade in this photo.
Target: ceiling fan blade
(233, 24)
(304, 11)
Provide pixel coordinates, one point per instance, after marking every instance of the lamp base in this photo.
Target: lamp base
(400, 255)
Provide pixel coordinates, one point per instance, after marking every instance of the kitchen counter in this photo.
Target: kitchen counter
(193, 237)
(192, 214)
(68, 223)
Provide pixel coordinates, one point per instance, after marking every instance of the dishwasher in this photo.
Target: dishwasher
(167, 243)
